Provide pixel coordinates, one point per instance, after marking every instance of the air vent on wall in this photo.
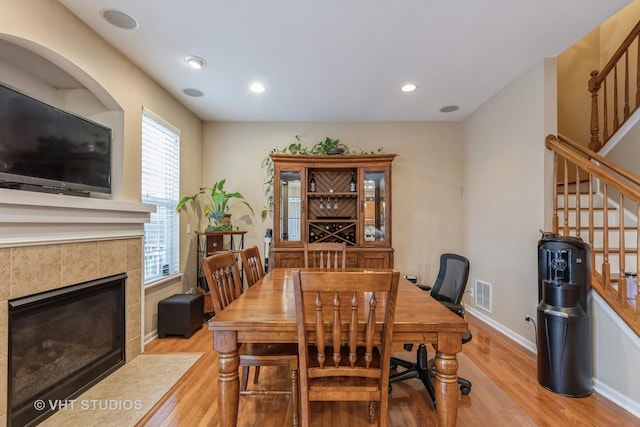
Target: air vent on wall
(483, 295)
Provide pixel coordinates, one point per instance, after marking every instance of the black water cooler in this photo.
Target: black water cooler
(563, 315)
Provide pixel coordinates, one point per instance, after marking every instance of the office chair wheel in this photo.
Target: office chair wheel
(465, 390)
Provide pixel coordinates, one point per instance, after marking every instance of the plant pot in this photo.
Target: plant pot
(219, 222)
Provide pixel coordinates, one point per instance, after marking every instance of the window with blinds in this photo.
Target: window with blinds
(160, 187)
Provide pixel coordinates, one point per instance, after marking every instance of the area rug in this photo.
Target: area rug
(125, 396)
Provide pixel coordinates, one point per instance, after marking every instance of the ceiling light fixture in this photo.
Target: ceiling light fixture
(449, 109)
(193, 92)
(409, 87)
(195, 62)
(257, 87)
(119, 19)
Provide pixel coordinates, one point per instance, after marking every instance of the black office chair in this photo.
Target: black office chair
(448, 290)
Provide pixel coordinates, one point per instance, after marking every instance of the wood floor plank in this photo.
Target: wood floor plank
(505, 393)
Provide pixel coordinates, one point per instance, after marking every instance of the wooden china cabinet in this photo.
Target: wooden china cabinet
(332, 198)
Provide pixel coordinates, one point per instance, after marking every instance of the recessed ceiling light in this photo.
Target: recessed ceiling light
(257, 87)
(449, 109)
(119, 19)
(193, 92)
(409, 87)
(195, 62)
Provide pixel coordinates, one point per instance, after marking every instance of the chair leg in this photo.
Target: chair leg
(372, 412)
(256, 373)
(245, 378)
(294, 397)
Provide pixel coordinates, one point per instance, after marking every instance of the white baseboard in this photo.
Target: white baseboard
(150, 336)
(531, 346)
(616, 397)
(600, 387)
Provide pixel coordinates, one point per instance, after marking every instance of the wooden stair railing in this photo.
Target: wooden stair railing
(609, 77)
(614, 194)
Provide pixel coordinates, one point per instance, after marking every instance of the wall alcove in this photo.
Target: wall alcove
(49, 77)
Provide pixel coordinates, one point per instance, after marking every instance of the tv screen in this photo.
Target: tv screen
(43, 147)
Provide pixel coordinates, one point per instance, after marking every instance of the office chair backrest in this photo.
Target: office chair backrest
(452, 278)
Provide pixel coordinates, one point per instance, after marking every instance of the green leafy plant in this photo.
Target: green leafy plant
(329, 146)
(217, 205)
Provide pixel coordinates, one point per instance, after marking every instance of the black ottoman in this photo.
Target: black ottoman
(180, 314)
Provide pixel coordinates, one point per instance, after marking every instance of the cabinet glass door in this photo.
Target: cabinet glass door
(375, 206)
(290, 210)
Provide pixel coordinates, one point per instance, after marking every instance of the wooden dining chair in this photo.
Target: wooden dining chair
(221, 273)
(252, 265)
(339, 315)
(325, 255)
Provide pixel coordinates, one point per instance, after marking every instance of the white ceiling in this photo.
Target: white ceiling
(342, 60)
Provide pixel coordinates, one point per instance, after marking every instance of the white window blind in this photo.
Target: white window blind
(160, 187)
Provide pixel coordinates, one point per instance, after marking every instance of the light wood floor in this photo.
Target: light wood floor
(505, 392)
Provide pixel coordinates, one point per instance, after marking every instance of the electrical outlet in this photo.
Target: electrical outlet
(529, 318)
(188, 228)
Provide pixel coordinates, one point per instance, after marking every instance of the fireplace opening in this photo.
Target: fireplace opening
(62, 342)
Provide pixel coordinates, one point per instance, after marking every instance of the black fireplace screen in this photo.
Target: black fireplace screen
(61, 342)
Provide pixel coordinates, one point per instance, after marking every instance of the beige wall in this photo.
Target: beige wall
(427, 179)
(625, 151)
(614, 30)
(574, 99)
(503, 202)
(46, 27)
(574, 68)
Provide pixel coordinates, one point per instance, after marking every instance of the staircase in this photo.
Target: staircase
(596, 199)
(600, 202)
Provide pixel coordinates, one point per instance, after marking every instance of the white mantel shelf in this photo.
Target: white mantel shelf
(29, 218)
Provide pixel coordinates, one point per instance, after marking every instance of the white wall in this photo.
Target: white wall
(615, 359)
(426, 186)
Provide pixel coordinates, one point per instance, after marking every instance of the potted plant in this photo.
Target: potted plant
(216, 206)
(329, 146)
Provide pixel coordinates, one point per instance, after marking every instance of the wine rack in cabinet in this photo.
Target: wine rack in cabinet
(333, 206)
(333, 199)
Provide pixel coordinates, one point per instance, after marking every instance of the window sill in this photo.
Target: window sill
(164, 280)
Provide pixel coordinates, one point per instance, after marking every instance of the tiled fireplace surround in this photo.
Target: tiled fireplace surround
(50, 241)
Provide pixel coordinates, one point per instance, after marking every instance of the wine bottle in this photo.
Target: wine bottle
(312, 184)
(352, 184)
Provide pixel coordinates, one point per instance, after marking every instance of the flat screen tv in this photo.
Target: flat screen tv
(43, 148)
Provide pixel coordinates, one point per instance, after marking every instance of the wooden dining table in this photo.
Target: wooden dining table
(265, 313)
